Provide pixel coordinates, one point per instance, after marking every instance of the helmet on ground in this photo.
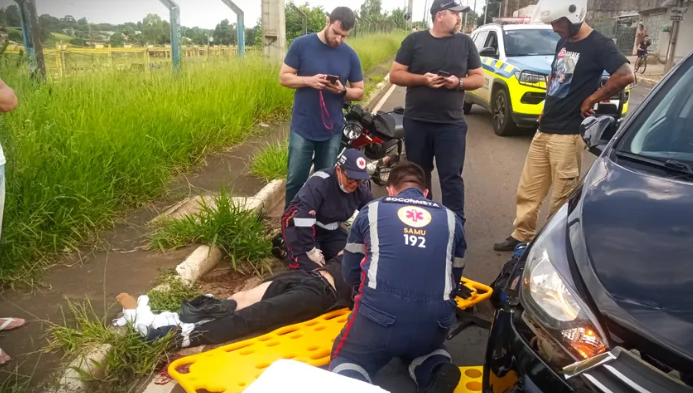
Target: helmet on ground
(548, 11)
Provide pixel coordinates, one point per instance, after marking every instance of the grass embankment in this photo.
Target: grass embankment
(87, 147)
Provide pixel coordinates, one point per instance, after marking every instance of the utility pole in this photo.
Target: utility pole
(31, 31)
(674, 37)
(274, 29)
(410, 9)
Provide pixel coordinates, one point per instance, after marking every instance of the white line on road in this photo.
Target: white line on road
(384, 99)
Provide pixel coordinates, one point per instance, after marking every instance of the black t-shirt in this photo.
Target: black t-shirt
(344, 292)
(423, 53)
(576, 73)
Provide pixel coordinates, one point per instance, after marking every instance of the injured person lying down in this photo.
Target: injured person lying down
(287, 298)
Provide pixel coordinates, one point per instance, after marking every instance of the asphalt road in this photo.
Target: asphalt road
(492, 169)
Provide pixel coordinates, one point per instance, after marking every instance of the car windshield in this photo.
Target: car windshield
(530, 42)
(664, 128)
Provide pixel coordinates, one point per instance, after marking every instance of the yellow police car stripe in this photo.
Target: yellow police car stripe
(509, 68)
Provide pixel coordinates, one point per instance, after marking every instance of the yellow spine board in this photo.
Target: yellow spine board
(231, 368)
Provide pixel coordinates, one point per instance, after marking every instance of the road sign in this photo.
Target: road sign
(677, 13)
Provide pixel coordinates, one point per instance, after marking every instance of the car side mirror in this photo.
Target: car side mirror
(597, 132)
(489, 52)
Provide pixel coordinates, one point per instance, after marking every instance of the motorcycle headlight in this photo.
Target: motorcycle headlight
(352, 130)
(532, 79)
(549, 296)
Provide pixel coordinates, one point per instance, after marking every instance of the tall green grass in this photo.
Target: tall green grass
(84, 148)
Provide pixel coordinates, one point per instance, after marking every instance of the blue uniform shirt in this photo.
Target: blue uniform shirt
(413, 248)
(320, 207)
(310, 56)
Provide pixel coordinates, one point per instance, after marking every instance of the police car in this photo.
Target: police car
(516, 59)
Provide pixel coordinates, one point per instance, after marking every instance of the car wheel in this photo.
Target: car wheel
(467, 108)
(503, 124)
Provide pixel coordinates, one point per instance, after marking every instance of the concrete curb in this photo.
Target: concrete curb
(202, 260)
(375, 94)
(647, 81)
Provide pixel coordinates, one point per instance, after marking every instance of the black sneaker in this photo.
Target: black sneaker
(205, 307)
(507, 244)
(445, 379)
(279, 248)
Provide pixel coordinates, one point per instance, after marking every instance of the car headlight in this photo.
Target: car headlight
(353, 130)
(549, 296)
(532, 79)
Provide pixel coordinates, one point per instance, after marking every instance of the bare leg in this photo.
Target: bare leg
(250, 297)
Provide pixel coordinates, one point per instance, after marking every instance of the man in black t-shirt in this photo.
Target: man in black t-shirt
(555, 155)
(437, 66)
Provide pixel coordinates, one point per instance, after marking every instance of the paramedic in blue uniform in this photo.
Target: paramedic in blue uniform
(311, 225)
(404, 259)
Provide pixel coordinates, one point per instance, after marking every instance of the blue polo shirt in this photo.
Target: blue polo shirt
(310, 56)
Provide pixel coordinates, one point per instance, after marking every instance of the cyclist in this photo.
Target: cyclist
(642, 48)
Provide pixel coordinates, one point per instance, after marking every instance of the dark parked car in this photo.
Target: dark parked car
(602, 299)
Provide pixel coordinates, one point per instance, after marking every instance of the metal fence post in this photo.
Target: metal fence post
(174, 11)
(31, 33)
(240, 26)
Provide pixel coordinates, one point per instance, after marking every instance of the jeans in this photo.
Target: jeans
(2, 194)
(301, 156)
(447, 143)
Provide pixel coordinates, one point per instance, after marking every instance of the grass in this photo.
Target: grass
(239, 233)
(130, 360)
(83, 149)
(171, 292)
(270, 163)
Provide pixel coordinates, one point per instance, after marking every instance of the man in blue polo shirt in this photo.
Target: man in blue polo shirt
(319, 66)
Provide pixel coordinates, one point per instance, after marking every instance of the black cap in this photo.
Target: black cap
(452, 5)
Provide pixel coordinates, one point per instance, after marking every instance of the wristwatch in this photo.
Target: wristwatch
(344, 92)
(461, 85)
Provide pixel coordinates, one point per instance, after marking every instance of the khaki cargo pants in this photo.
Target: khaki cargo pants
(552, 160)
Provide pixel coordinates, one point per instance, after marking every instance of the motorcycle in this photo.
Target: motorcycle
(380, 137)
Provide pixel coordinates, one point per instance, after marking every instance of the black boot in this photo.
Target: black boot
(445, 379)
(279, 248)
(507, 244)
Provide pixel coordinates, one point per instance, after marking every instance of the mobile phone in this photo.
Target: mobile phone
(332, 78)
(444, 74)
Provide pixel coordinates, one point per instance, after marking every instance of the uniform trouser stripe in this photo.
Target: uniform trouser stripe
(449, 258)
(420, 360)
(353, 367)
(375, 245)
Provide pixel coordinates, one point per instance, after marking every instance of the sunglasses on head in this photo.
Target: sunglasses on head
(454, 3)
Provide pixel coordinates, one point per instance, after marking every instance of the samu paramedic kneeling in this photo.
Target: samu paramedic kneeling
(404, 304)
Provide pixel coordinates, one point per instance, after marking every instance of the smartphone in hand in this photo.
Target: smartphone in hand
(332, 78)
(444, 74)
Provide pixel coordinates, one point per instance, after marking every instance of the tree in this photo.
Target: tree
(315, 16)
(225, 33)
(152, 28)
(12, 16)
(397, 17)
(117, 40)
(372, 9)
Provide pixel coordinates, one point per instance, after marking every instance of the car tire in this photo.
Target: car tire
(467, 108)
(501, 109)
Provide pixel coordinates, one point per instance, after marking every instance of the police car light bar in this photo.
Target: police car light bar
(522, 20)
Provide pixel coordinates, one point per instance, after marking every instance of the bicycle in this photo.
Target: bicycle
(641, 62)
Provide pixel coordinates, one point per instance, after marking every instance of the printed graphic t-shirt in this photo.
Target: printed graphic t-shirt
(576, 73)
(310, 56)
